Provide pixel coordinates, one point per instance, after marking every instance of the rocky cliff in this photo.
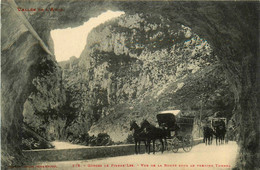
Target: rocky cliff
(231, 29)
(137, 65)
(30, 82)
(42, 108)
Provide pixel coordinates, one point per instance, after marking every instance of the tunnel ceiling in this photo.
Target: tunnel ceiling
(225, 26)
(229, 27)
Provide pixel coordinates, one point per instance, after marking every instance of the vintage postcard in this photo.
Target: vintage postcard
(93, 84)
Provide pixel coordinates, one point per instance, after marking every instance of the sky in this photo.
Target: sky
(71, 41)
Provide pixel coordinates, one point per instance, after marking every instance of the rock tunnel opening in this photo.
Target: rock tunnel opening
(137, 58)
(70, 42)
(214, 22)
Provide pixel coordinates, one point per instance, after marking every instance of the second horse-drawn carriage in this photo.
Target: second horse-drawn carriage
(219, 126)
(216, 127)
(178, 130)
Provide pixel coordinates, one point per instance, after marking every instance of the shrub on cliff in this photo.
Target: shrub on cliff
(92, 141)
(130, 139)
(32, 140)
(103, 139)
(31, 143)
(82, 138)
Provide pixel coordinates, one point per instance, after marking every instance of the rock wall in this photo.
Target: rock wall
(28, 71)
(42, 108)
(231, 28)
(139, 57)
(135, 58)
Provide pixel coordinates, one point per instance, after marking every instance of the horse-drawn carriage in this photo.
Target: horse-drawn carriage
(174, 128)
(178, 130)
(218, 124)
(219, 121)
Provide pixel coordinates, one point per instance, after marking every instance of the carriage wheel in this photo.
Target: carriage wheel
(157, 147)
(174, 146)
(187, 143)
(175, 149)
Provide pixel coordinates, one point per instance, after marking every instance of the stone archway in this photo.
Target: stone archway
(230, 27)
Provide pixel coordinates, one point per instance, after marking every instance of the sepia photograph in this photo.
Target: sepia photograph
(127, 84)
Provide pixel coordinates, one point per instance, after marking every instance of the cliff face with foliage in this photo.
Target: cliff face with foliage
(231, 29)
(42, 108)
(137, 65)
(28, 73)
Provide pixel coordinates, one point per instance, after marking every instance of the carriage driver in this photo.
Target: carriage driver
(174, 127)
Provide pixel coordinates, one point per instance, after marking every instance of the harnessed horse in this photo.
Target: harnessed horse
(208, 135)
(220, 132)
(139, 136)
(152, 134)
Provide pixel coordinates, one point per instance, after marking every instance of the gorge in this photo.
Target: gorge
(158, 56)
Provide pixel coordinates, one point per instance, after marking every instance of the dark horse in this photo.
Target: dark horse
(220, 132)
(139, 136)
(153, 133)
(208, 135)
